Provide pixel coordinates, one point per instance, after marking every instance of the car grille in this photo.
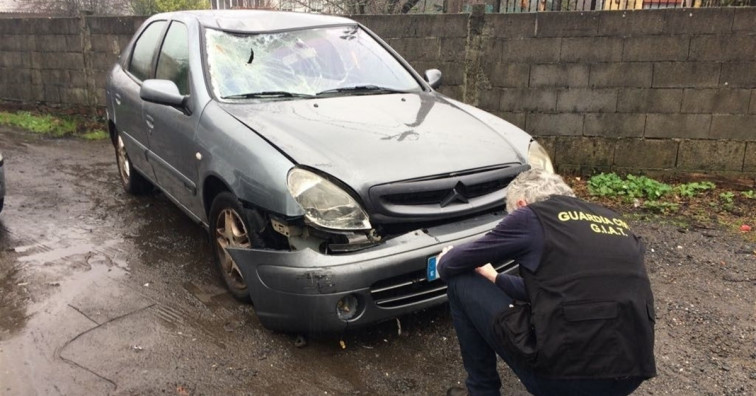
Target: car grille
(437, 196)
(414, 287)
(442, 197)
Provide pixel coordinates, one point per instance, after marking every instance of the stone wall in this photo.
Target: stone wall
(655, 91)
(60, 61)
(658, 91)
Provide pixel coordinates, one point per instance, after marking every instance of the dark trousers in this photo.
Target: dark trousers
(474, 303)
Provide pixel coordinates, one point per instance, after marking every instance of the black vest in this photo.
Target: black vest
(591, 301)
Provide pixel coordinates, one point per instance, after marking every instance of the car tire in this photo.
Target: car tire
(229, 228)
(131, 180)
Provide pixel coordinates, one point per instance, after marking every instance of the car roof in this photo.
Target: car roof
(258, 21)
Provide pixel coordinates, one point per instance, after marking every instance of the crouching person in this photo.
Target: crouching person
(579, 320)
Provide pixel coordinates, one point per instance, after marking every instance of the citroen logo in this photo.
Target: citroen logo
(457, 194)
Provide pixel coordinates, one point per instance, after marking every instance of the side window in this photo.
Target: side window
(144, 50)
(173, 61)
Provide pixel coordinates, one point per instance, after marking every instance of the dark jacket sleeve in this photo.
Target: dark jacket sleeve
(514, 286)
(518, 236)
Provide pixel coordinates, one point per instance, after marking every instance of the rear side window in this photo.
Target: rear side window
(144, 50)
(173, 62)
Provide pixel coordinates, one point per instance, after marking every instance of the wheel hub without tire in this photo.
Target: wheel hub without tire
(123, 161)
(231, 232)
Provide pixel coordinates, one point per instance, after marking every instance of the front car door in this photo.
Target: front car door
(173, 151)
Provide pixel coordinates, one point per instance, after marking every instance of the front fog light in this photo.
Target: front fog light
(347, 307)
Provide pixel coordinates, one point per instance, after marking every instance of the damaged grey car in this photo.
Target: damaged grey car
(328, 173)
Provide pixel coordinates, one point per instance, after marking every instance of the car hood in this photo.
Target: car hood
(365, 140)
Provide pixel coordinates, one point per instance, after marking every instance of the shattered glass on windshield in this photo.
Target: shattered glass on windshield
(302, 63)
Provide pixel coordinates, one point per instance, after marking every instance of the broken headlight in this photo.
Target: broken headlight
(325, 204)
(539, 158)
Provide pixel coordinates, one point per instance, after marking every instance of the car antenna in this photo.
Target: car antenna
(251, 56)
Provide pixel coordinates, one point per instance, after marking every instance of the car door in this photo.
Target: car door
(173, 150)
(127, 105)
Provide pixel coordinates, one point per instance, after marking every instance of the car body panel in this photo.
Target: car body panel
(385, 134)
(264, 21)
(126, 108)
(250, 166)
(173, 151)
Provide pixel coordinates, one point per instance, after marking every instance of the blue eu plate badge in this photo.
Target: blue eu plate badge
(432, 273)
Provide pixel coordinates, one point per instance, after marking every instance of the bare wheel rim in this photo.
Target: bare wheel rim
(231, 232)
(123, 161)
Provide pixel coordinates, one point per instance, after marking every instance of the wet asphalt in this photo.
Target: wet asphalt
(106, 293)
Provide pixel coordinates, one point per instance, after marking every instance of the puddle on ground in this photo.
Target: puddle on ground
(55, 237)
(46, 254)
(12, 302)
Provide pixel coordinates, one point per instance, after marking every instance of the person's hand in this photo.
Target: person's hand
(443, 252)
(488, 272)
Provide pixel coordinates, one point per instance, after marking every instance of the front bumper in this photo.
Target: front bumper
(298, 291)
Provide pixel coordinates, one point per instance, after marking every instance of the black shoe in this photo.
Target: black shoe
(457, 391)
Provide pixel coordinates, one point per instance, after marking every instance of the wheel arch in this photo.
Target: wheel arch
(212, 186)
(112, 131)
(257, 218)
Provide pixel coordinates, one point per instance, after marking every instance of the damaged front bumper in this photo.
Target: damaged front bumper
(306, 291)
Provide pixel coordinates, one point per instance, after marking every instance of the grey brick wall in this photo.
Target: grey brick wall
(655, 90)
(60, 61)
(661, 90)
(427, 42)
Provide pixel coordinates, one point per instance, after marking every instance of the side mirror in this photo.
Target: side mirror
(433, 77)
(161, 92)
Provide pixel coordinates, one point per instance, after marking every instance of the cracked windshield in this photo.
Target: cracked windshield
(302, 63)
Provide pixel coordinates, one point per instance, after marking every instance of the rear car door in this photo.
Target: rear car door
(173, 149)
(127, 105)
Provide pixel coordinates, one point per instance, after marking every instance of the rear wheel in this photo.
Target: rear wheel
(131, 180)
(229, 228)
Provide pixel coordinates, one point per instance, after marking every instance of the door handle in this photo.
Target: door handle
(117, 97)
(150, 121)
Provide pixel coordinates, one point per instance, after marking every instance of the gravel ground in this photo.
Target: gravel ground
(704, 283)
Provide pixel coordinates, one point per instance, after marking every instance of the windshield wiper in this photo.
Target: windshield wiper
(267, 94)
(358, 89)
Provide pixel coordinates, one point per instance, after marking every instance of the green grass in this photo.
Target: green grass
(631, 187)
(690, 190)
(697, 202)
(641, 187)
(50, 125)
(97, 134)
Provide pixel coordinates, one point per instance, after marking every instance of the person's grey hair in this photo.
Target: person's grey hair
(535, 185)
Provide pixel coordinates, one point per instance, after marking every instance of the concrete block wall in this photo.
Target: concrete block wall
(41, 59)
(60, 61)
(105, 38)
(662, 90)
(653, 90)
(428, 42)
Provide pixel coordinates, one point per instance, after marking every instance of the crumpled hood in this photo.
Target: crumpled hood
(365, 140)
